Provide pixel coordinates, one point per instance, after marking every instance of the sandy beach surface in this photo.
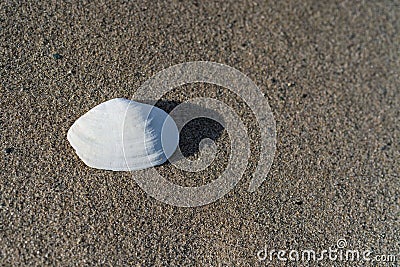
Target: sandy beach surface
(330, 73)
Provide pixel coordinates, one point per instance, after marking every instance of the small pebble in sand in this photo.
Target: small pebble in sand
(8, 150)
(57, 56)
(290, 84)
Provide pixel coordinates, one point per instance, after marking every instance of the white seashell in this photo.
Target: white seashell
(124, 135)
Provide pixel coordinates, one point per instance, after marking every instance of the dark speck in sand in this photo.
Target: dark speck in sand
(9, 150)
(299, 202)
(57, 56)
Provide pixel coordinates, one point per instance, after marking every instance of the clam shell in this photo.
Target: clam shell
(124, 135)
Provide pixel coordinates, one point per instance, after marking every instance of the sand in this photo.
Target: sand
(329, 70)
